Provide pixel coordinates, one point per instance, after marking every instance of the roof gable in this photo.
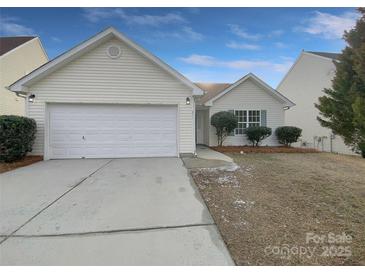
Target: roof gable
(93, 42)
(262, 84)
(326, 56)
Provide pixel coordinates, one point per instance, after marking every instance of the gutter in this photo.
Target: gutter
(18, 93)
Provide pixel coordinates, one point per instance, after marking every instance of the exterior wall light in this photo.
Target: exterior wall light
(31, 98)
(187, 100)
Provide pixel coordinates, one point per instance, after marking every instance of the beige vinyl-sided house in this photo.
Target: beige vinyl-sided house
(304, 84)
(109, 98)
(18, 57)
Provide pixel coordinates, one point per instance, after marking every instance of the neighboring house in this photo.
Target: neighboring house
(304, 84)
(108, 97)
(18, 57)
(250, 99)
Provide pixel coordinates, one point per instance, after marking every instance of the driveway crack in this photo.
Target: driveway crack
(54, 201)
(112, 231)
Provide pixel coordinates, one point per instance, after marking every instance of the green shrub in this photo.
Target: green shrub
(224, 122)
(17, 136)
(288, 135)
(256, 134)
(362, 149)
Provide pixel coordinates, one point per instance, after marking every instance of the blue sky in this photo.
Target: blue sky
(205, 44)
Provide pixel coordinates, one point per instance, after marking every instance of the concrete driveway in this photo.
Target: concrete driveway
(143, 211)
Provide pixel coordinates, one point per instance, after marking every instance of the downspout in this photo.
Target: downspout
(194, 125)
(332, 136)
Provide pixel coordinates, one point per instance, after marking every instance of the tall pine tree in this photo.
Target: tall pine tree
(342, 109)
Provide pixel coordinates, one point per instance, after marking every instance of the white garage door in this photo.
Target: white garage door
(111, 131)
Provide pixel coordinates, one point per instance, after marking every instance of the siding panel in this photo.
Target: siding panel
(96, 78)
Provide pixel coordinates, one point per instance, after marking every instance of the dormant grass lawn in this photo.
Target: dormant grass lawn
(266, 209)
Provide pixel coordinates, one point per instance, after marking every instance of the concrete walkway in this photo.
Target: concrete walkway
(207, 153)
(208, 158)
(106, 212)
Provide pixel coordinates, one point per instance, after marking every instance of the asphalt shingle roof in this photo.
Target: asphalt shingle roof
(330, 55)
(210, 90)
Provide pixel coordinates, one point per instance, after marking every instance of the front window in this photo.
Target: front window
(242, 121)
(253, 118)
(246, 118)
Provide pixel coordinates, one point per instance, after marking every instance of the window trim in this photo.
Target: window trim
(247, 122)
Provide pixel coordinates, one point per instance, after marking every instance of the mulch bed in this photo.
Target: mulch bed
(263, 149)
(26, 161)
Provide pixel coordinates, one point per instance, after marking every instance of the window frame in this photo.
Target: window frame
(247, 123)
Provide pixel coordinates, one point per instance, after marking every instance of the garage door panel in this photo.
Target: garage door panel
(111, 131)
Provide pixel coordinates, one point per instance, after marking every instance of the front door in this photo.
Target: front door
(200, 126)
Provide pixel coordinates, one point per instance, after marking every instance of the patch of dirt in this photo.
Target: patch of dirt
(263, 149)
(265, 209)
(26, 161)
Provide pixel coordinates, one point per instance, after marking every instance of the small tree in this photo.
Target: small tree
(224, 122)
(288, 135)
(256, 134)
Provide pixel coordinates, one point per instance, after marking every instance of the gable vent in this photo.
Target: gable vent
(114, 51)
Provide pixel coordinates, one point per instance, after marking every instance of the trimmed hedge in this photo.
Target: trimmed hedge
(288, 135)
(256, 134)
(224, 122)
(17, 136)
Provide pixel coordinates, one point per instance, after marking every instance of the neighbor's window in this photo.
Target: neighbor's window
(246, 118)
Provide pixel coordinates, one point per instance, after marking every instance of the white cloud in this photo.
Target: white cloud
(209, 61)
(200, 60)
(96, 14)
(56, 39)
(211, 76)
(191, 34)
(283, 66)
(275, 33)
(238, 31)
(328, 25)
(235, 45)
(185, 34)
(280, 45)
(11, 26)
